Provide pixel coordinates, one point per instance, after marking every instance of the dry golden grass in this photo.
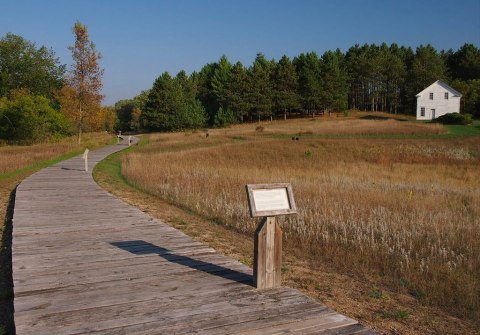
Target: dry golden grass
(405, 211)
(14, 157)
(352, 125)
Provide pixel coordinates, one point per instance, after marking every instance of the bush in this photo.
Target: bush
(30, 118)
(455, 118)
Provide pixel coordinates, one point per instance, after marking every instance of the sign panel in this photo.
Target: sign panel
(270, 199)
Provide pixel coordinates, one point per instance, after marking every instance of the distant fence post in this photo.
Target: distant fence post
(269, 201)
(85, 158)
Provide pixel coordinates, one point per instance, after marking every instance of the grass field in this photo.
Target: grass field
(400, 210)
(17, 163)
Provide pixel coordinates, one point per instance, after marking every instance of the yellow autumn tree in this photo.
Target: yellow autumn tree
(81, 98)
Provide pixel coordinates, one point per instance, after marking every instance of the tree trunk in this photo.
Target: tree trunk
(80, 120)
(285, 114)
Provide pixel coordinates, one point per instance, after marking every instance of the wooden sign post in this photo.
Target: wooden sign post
(85, 157)
(268, 201)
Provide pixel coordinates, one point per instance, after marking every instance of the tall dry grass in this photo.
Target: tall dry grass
(340, 126)
(407, 211)
(13, 157)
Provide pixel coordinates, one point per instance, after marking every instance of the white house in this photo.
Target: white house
(436, 100)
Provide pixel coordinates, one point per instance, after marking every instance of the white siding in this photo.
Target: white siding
(441, 105)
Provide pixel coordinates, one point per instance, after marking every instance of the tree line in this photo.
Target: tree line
(41, 100)
(368, 77)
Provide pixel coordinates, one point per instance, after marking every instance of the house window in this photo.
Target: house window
(431, 96)
(422, 111)
(446, 95)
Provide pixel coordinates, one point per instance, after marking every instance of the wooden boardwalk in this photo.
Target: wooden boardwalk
(85, 262)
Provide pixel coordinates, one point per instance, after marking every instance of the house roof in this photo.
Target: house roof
(445, 86)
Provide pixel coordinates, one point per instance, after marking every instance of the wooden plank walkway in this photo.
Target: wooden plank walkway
(85, 262)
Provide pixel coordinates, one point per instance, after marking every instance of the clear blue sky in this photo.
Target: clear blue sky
(140, 39)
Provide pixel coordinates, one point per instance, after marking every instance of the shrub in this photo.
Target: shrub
(30, 118)
(455, 118)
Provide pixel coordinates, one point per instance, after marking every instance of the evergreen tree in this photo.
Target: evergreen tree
(464, 64)
(220, 80)
(285, 86)
(428, 66)
(260, 93)
(238, 90)
(188, 85)
(205, 91)
(164, 101)
(168, 109)
(334, 95)
(307, 67)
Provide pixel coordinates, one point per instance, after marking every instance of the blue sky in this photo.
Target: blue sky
(140, 39)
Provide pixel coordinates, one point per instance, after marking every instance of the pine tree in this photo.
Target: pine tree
(334, 95)
(285, 86)
(307, 67)
(238, 88)
(260, 93)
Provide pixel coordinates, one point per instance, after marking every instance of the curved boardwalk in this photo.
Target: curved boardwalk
(84, 262)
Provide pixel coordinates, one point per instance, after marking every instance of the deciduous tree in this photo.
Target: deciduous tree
(85, 78)
(24, 66)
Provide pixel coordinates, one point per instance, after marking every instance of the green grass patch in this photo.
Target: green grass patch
(463, 131)
(111, 166)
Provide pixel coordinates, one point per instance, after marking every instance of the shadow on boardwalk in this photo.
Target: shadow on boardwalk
(139, 247)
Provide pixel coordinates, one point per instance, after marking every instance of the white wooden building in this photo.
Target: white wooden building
(436, 100)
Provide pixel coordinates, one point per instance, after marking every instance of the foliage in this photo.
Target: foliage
(129, 112)
(194, 115)
(85, 79)
(30, 118)
(285, 86)
(109, 119)
(260, 93)
(24, 66)
(309, 84)
(334, 80)
(368, 77)
(220, 80)
(224, 118)
(168, 109)
(238, 90)
(455, 118)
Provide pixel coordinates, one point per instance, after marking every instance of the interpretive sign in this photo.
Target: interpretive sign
(270, 199)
